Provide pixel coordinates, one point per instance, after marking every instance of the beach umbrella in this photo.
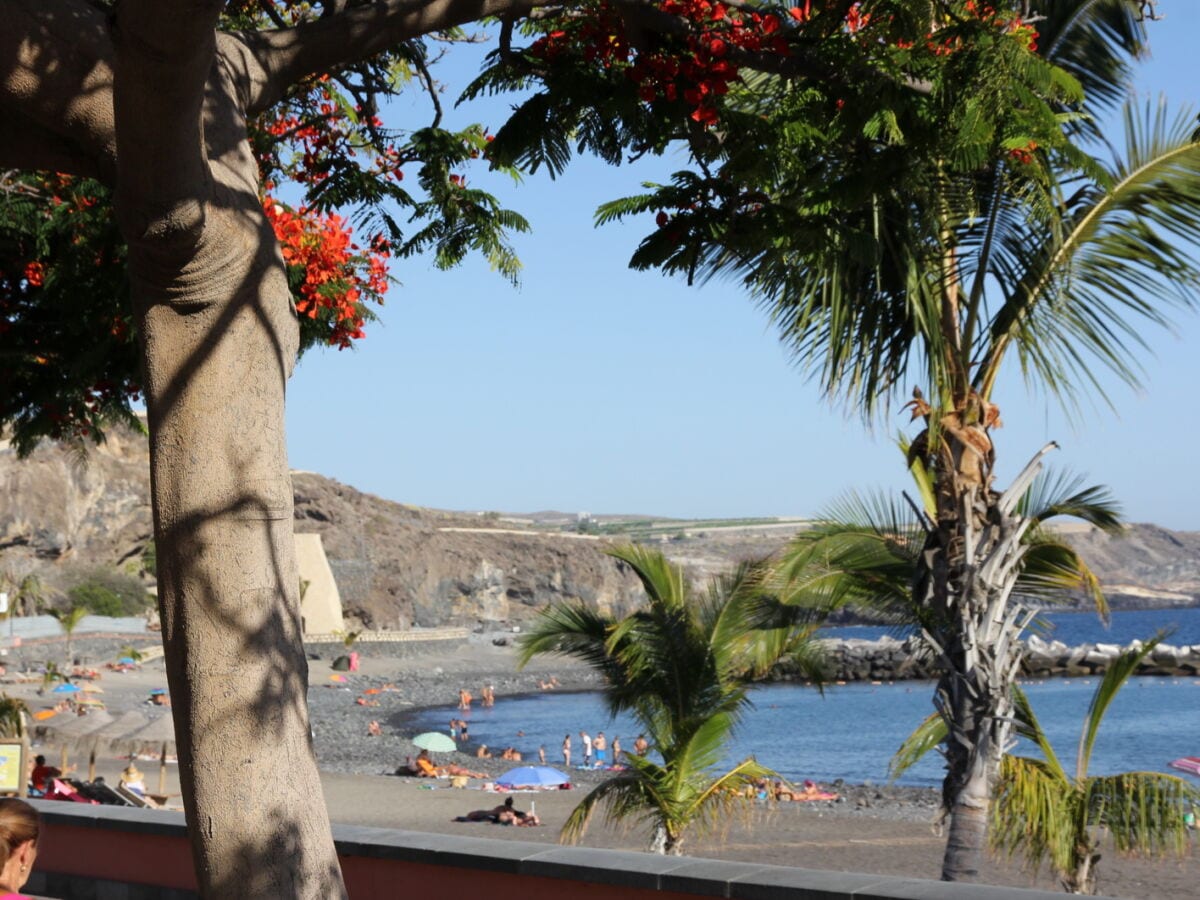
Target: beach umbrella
(81, 730)
(160, 731)
(125, 661)
(66, 688)
(532, 776)
(435, 742)
(90, 701)
(116, 733)
(154, 692)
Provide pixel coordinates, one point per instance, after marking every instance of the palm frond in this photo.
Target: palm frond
(1035, 813)
(1026, 724)
(1079, 303)
(1143, 811)
(931, 732)
(1119, 671)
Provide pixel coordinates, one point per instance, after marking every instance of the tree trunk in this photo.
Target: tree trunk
(968, 570)
(660, 841)
(1083, 879)
(235, 661)
(219, 339)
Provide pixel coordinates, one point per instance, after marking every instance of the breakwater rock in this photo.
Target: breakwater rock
(891, 659)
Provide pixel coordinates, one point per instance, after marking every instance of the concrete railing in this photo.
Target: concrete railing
(131, 854)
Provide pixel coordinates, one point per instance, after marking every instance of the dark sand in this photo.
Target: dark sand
(873, 829)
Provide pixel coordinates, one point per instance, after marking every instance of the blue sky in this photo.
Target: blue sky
(591, 387)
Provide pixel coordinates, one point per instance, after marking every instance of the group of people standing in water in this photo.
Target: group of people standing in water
(596, 750)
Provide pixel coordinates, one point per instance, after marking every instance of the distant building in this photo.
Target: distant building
(320, 603)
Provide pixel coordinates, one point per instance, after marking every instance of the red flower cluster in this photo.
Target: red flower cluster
(698, 72)
(1025, 33)
(1023, 155)
(319, 130)
(335, 275)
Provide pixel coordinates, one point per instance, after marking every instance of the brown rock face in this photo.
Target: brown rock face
(399, 566)
(64, 504)
(395, 566)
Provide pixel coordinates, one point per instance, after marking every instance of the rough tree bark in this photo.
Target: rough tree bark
(153, 101)
(219, 341)
(968, 571)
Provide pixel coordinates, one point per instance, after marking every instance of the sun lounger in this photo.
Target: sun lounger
(99, 791)
(149, 801)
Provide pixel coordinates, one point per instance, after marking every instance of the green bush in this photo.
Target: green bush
(110, 593)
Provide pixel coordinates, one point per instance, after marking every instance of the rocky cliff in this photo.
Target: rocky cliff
(62, 510)
(398, 566)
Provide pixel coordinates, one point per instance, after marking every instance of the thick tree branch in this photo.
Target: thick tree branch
(285, 56)
(26, 145)
(56, 80)
(164, 55)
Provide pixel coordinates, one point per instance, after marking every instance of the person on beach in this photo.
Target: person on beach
(20, 827)
(616, 750)
(488, 696)
(566, 750)
(374, 729)
(454, 730)
(132, 779)
(587, 748)
(483, 752)
(463, 730)
(464, 699)
(542, 754)
(641, 745)
(600, 746)
(42, 775)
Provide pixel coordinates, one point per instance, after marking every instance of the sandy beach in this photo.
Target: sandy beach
(870, 829)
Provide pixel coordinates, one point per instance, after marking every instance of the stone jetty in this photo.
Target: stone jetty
(892, 659)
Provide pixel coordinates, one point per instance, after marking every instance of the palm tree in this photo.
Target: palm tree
(68, 620)
(682, 666)
(1012, 239)
(1048, 816)
(869, 552)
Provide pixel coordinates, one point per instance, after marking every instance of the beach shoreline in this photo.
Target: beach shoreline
(872, 828)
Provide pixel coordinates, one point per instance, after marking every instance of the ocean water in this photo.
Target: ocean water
(1074, 628)
(851, 731)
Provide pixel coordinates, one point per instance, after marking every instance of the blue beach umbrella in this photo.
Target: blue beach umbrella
(532, 776)
(66, 688)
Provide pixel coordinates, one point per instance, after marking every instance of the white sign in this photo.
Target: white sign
(3, 602)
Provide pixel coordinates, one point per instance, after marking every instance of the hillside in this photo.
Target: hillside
(398, 566)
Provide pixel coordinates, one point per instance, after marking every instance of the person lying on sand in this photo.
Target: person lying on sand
(810, 791)
(423, 766)
(505, 814)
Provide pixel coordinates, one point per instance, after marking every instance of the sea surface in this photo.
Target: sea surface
(851, 731)
(1075, 628)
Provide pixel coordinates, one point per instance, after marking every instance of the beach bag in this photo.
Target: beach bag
(341, 664)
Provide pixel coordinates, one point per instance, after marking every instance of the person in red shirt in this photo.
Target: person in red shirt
(41, 774)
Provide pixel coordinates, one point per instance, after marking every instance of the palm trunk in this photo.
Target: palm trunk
(968, 571)
(1083, 879)
(219, 341)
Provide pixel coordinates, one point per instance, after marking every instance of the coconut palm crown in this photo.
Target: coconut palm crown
(682, 666)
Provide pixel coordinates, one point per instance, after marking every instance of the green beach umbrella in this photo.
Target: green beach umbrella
(435, 742)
